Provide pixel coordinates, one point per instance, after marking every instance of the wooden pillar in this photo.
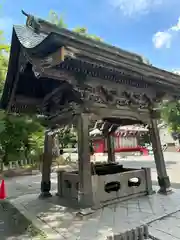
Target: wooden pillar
(163, 179)
(85, 182)
(110, 148)
(46, 166)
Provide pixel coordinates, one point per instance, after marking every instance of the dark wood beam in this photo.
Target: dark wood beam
(51, 60)
(61, 119)
(160, 84)
(24, 109)
(13, 92)
(57, 74)
(128, 71)
(20, 99)
(121, 113)
(45, 68)
(127, 63)
(56, 91)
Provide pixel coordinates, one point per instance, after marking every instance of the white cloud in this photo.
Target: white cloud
(131, 7)
(164, 38)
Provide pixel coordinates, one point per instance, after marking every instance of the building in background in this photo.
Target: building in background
(135, 138)
(125, 139)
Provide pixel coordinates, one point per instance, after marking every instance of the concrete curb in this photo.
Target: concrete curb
(46, 231)
(35, 227)
(10, 175)
(30, 230)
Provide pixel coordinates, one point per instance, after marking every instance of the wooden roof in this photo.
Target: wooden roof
(36, 42)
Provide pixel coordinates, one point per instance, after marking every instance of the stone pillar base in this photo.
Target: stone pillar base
(85, 200)
(165, 186)
(45, 190)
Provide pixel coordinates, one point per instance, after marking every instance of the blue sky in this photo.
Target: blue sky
(147, 27)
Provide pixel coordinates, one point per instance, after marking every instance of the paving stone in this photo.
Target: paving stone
(108, 221)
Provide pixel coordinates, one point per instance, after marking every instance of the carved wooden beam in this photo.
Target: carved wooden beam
(105, 96)
(63, 109)
(62, 97)
(65, 118)
(141, 71)
(138, 70)
(23, 108)
(121, 113)
(57, 91)
(40, 65)
(54, 73)
(44, 68)
(49, 61)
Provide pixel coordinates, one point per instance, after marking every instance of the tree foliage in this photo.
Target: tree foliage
(4, 50)
(59, 21)
(23, 136)
(20, 136)
(67, 136)
(171, 115)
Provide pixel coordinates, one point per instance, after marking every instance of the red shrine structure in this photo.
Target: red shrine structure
(125, 139)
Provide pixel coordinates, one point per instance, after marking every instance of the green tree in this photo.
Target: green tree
(20, 136)
(4, 51)
(67, 136)
(171, 115)
(59, 21)
(84, 32)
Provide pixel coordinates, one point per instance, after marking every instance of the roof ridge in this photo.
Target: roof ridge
(35, 21)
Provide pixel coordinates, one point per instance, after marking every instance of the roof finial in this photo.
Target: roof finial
(24, 13)
(31, 21)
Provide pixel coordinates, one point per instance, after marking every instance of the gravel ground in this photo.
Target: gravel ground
(13, 226)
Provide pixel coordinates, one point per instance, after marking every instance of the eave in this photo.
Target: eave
(83, 53)
(49, 33)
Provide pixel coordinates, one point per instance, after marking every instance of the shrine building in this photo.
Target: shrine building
(72, 79)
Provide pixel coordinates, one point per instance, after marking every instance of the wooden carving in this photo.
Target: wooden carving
(99, 95)
(40, 65)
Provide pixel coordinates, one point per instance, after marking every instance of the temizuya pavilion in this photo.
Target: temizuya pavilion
(73, 79)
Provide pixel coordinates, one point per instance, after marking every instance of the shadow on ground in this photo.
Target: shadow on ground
(173, 184)
(14, 225)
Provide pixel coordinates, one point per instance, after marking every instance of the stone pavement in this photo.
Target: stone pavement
(160, 212)
(167, 228)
